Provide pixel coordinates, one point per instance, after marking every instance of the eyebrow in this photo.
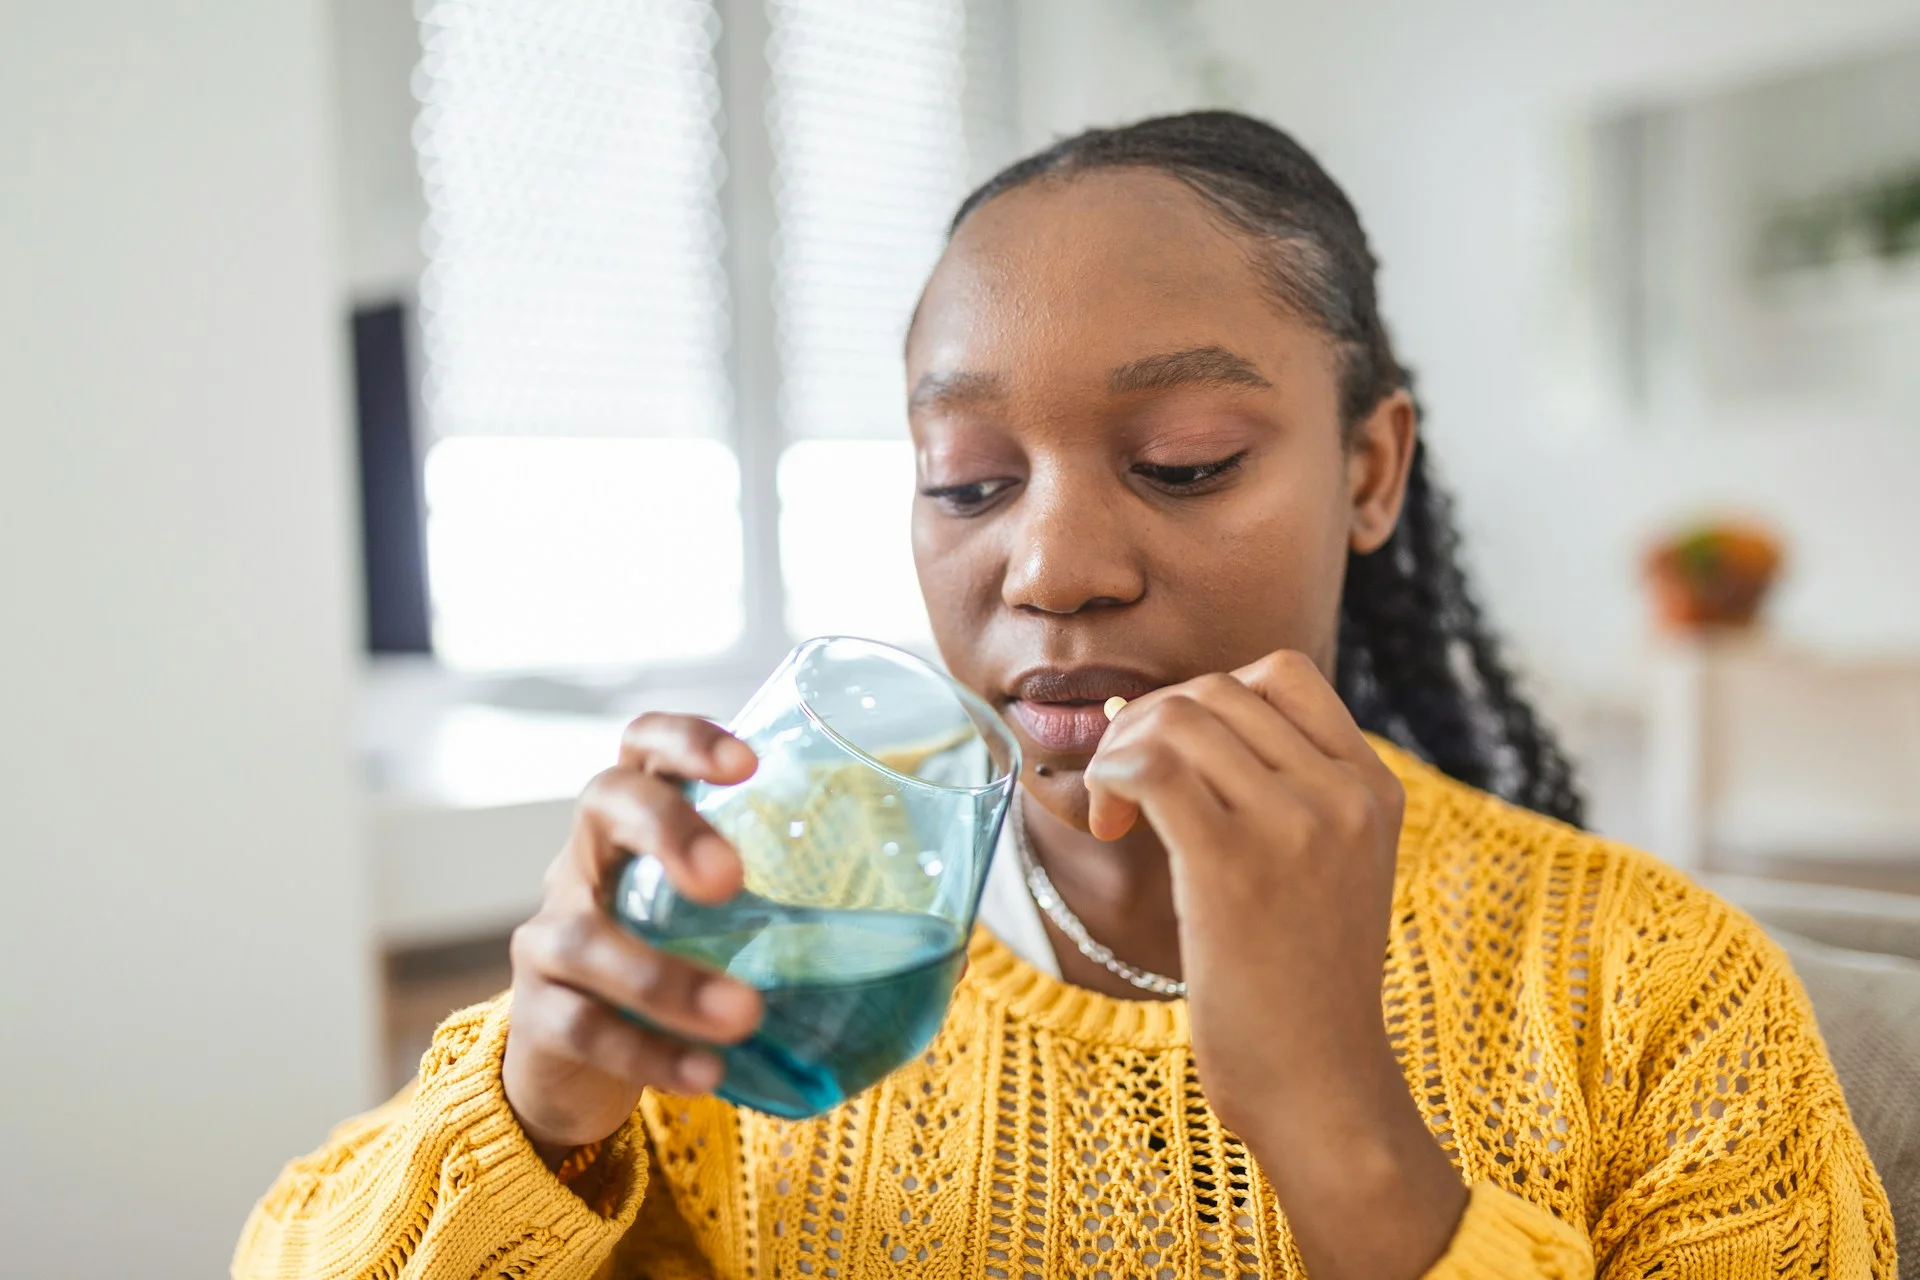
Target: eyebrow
(954, 389)
(1199, 367)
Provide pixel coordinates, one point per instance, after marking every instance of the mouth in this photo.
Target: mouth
(1061, 708)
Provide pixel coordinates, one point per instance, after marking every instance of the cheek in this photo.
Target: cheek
(959, 577)
(1267, 568)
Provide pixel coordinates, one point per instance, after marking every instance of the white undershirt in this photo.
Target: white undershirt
(1010, 911)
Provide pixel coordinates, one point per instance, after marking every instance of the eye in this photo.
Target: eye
(1190, 477)
(967, 499)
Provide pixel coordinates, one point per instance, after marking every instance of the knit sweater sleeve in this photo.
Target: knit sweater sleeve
(441, 1184)
(1727, 1149)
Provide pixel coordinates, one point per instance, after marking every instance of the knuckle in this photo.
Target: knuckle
(1215, 684)
(1289, 665)
(646, 972)
(1295, 660)
(601, 789)
(545, 944)
(1176, 712)
(628, 806)
(648, 726)
(665, 738)
(640, 740)
(1393, 796)
(523, 946)
(1351, 813)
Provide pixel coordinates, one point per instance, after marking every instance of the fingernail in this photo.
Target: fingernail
(733, 754)
(700, 1071)
(726, 1001)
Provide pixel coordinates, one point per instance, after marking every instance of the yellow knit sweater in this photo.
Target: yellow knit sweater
(1622, 1066)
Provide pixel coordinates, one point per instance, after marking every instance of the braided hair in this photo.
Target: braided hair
(1417, 660)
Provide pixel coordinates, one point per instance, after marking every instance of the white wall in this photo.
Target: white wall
(1448, 125)
(382, 204)
(184, 949)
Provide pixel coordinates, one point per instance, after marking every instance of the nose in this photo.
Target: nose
(1070, 549)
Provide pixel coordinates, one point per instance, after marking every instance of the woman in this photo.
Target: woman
(1166, 452)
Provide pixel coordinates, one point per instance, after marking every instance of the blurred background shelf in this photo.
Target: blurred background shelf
(469, 794)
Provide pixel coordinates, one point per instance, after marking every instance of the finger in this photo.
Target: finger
(1210, 748)
(586, 952)
(1177, 753)
(1279, 743)
(576, 1028)
(625, 811)
(686, 747)
(1324, 785)
(1175, 800)
(1295, 687)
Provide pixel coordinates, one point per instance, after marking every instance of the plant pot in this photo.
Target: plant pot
(1684, 605)
(1713, 579)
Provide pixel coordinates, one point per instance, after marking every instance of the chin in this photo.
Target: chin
(1062, 793)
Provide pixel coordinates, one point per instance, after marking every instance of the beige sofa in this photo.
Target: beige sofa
(1858, 952)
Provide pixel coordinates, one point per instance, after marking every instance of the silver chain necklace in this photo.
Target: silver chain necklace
(1049, 901)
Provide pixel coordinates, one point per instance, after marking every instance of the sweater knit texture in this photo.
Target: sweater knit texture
(1623, 1067)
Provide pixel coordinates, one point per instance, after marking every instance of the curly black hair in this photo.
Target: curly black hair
(1417, 660)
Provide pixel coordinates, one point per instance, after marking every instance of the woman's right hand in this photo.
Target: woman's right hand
(574, 1066)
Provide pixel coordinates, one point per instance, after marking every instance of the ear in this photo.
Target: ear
(1379, 458)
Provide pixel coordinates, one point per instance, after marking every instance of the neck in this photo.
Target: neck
(1122, 891)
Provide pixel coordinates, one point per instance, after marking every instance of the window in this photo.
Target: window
(845, 562)
(870, 129)
(581, 551)
(582, 493)
(583, 160)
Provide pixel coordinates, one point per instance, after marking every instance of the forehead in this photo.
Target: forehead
(1089, 271)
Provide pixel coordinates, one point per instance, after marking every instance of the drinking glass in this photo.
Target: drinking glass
(865, 834)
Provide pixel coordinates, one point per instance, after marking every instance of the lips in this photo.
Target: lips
(1070, 728)
(1060, 708)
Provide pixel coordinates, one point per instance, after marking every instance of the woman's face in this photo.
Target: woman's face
(1130, 461)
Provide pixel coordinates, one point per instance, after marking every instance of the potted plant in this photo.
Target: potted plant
(1713, 576)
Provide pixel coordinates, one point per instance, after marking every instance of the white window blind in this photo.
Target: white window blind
(869, 111)
(583, 498)
(584, 489)
(570, 151)
(881, 115)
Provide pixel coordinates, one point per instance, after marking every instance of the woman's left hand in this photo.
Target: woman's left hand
(1281, 826)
